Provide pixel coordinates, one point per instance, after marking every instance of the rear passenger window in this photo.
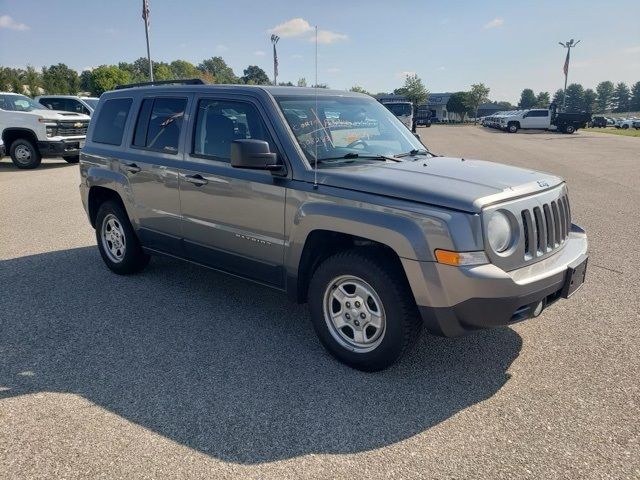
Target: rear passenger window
(159, 124)
(110, 123)
(218, 123)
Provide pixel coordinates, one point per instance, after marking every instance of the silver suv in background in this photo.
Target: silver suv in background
(69, 103)
(327, 196)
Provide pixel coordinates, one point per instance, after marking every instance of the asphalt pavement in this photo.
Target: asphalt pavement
(181, 372)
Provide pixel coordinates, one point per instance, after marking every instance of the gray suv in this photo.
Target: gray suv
(326, 196)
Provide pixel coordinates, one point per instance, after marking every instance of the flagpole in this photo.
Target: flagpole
(568, 45)
(146, 31)
(145, 15)
(274, 41)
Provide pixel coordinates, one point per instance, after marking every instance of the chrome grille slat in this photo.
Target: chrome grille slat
(545, 227)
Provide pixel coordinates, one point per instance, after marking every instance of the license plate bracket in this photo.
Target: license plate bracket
(576, 274)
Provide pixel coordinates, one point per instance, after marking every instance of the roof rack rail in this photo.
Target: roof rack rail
(187, 81)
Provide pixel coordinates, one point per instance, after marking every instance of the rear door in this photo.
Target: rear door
(151, 163)
(232, 219)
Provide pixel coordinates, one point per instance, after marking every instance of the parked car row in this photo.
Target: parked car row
(626, 123)
(537, 119)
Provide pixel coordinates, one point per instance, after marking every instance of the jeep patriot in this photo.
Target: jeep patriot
(327, 196)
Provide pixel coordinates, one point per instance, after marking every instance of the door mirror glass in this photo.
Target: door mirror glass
(253, 154)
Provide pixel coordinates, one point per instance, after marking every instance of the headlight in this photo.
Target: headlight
(51, 131)
(499, 232)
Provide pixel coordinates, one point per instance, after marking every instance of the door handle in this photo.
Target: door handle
(198, 180)
(131, 167)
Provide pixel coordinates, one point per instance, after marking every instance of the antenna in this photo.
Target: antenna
(315, 166)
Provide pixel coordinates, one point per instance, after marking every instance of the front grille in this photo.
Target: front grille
(69, 129)
(546, 228)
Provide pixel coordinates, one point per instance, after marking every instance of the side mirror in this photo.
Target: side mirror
(254, 155)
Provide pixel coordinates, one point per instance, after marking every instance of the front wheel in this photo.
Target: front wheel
(118, 243)
(24, 154)
(72, 158)
(624, 127)
(512, 128)
(569, 129)
(363, 310)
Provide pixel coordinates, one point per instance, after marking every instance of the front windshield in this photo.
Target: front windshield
(352, 126)
(399, 109)
(92, 102)
(19, 103)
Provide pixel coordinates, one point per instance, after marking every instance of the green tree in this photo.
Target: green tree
(604, 90)
(478, 94)
(527, 99)
(575, 98)
(458, 104)
(254, 75)
(543, 100)
(302, 82)
(415, 91)
(33, 81)
(162, 71)
(219, 71)
(85, 79)
(558, 97)
(106, 77)
(589, 100)
(635, 97)
(358, 89)
(621, 98)
(183, 69)
(60, 79)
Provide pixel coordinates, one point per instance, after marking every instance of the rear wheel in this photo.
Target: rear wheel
(24, 154)
(362, 309)
(72, 158)
(625, 126)
(118, 243)
(569, 129)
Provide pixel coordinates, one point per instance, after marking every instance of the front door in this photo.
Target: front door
(232, 219)
(151, 165)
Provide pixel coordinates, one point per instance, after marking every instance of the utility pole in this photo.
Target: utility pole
(568, 45)
(274, 41)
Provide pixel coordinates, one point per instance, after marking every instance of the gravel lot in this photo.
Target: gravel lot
(182, 372)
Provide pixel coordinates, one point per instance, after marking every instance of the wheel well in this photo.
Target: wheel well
(10, 135)
(97, 196)
(321, 244)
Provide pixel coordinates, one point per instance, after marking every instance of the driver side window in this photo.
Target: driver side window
(220, 122)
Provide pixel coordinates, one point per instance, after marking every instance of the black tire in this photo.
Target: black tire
(24, 154)
(72, 159)
(512, 128)
(569, 129)
(625, 127)
(384, 275)
(133, 258)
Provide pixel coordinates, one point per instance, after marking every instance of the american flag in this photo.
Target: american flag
(145, 12)
(566, 63)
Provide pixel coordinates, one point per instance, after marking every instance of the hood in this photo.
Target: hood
(56, 115)
(461, 184)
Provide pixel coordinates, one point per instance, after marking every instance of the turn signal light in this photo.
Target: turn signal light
(457, 259)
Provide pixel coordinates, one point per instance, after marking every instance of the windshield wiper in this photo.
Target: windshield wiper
(353, 155)
(415, 152)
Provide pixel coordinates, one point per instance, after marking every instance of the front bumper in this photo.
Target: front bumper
(67, 147)
(456, 300)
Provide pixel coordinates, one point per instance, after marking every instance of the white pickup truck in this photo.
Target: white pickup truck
(544, 119)
(31, 131)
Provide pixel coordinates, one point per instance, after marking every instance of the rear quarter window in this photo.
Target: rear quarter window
(111, 120)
